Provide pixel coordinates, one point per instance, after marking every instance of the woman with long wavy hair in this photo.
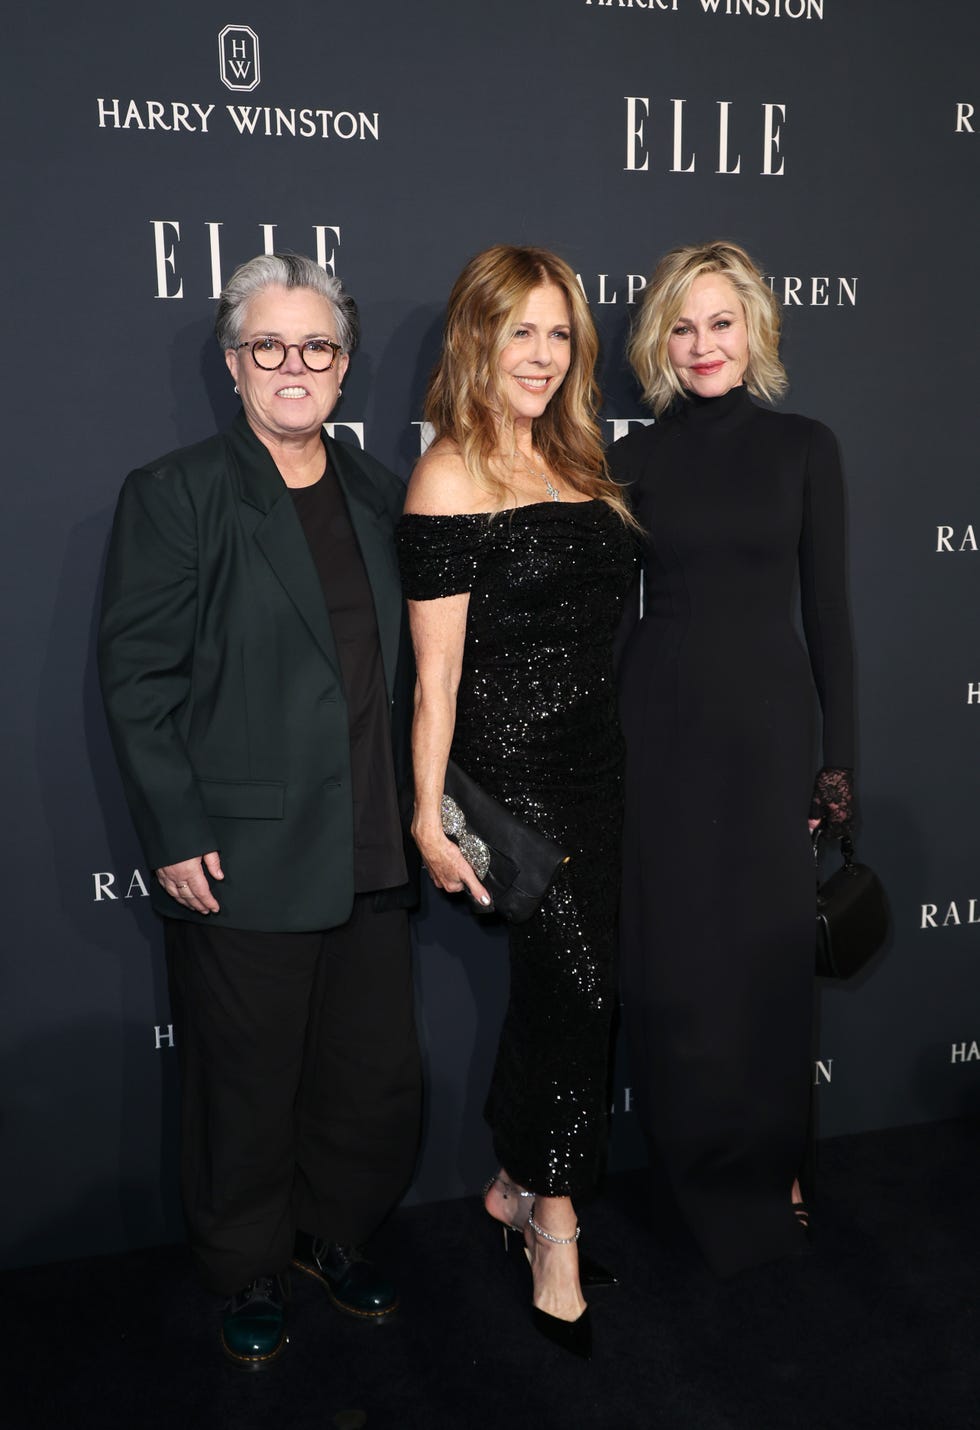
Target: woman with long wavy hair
(517, 550)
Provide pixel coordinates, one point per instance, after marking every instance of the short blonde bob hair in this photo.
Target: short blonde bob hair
(465, 402)
(663, 302)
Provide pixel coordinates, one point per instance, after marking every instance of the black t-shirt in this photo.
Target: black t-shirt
(379, 858)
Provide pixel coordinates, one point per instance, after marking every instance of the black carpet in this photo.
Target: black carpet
(878, 1326)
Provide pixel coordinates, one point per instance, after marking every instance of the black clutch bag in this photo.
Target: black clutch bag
(515, 864)
(852, 916)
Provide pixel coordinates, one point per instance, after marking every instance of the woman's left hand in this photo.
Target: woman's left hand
(447, 866)
(833, 802)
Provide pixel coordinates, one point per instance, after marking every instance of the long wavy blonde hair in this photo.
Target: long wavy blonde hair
(663, 302)
(464, 400)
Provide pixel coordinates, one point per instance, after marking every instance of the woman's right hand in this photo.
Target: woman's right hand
(187, 883)
(446, 865)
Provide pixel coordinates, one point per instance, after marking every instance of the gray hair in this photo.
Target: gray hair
(282, 270)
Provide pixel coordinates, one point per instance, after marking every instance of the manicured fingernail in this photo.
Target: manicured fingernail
(485, 899)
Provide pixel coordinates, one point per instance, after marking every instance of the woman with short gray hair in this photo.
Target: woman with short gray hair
(282, 270)
(258, 679)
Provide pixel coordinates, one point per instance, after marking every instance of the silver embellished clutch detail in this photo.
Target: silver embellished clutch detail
(473, 849)
(516, 864)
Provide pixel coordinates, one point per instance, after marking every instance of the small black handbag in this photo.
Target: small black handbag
(515, 864)
(852, 916)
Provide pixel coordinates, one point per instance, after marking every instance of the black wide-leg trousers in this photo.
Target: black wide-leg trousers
(300, 1085)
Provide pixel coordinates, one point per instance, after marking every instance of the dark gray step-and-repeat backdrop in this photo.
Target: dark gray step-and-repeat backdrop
(155, 148)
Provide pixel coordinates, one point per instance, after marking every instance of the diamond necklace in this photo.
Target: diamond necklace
(549, 485)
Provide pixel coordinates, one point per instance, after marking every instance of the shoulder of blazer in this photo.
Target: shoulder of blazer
(199, 459)
(177, 485)
(387, 491)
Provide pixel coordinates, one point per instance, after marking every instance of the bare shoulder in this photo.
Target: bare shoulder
(440, 485)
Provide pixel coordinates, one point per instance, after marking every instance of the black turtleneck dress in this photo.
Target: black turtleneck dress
(743, 510)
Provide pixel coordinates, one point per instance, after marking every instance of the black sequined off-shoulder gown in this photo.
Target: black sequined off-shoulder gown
(742, 506)
(537, 727)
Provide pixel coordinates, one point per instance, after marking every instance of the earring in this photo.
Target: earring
(340, 392)
(236, 389)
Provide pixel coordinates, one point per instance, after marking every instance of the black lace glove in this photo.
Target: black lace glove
(833, 802)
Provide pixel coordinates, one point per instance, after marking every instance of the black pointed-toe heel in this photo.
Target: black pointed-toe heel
(572, 1336)
(591, 1273)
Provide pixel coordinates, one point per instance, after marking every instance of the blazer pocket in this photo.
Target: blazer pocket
(243, 799)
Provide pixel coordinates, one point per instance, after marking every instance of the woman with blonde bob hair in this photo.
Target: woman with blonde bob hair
(742, 507)
(516, 553)
(661, 306)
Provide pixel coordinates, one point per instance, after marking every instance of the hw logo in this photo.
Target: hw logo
(238, 57)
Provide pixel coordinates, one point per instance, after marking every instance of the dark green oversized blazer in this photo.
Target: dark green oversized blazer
(221, 679)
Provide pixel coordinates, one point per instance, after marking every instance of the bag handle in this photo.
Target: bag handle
(846, 847)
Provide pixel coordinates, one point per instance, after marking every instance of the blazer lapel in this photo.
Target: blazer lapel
(373, 528)
(279, 536)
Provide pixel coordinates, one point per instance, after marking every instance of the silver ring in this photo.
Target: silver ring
(182, 886)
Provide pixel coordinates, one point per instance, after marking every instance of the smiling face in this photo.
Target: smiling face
(708, 346)
(532, 366)
(290, 402)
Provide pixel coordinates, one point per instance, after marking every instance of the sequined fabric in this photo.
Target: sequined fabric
(536, 725)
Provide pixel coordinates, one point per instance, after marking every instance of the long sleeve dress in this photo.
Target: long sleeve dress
(743, 508)
(537, 727)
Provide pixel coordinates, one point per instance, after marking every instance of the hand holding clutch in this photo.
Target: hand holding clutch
(447, 865)
(517, 864)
